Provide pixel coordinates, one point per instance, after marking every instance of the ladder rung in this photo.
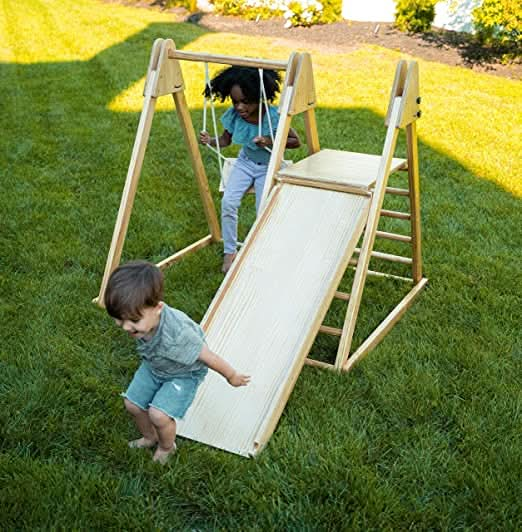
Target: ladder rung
(334, 331)
(342, 295)
(394, 236)
(388, 256)
(373, 273)
(397, 191)
(318, 364)
(396, 214)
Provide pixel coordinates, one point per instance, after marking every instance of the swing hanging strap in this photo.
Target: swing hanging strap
(263, 102)
(207, 100)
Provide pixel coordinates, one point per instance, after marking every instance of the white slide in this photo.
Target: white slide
(266, 314)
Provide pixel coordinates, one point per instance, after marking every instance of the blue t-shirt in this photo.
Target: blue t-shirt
(175, 347)
(243, 132)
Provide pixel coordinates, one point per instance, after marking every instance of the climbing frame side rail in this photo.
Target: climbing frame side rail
(403, 111)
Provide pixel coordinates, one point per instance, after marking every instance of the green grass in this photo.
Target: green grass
(423, 434)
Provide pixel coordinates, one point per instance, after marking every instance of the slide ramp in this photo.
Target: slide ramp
(266, 314)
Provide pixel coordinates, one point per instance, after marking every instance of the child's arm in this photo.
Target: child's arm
(220, 365)
(292, 141)
(224, 140)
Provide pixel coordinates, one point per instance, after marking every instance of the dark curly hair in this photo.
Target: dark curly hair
(248, 80)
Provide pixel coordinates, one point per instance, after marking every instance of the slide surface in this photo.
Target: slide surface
(266, 314)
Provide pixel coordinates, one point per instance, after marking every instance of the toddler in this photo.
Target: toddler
(173, 352)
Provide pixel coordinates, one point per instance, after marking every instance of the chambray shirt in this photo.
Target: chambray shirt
(243, 132)
(175, 347)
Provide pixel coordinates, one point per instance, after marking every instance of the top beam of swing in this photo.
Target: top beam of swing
(228, 60)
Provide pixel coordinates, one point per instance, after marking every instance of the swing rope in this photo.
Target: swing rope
(206, 100)
(209, 101)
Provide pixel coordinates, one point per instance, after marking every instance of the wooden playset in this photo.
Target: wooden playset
(272, 303)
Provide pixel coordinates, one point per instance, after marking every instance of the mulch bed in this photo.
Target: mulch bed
(448, 47)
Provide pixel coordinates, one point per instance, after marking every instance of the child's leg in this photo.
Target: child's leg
(171, 402)
(259, 184)
(165, 428)
(144, 425)
(138, 396)
(239, 182)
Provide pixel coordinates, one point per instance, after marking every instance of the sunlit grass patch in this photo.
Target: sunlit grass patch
(422, 434)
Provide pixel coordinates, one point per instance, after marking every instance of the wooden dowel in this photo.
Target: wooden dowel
(387, 256)
(394, 236)
(373, 273)
(189, 249)
(319, 364)
(397, 191)
(396, 214)
(332, 331)
(228, 60)
(342, 295)
(380, 332)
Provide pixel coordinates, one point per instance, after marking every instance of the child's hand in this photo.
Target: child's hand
(262, 142)
(204, 137)
(238, 379)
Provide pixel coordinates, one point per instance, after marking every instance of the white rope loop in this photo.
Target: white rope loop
(263, 99)
(206, 101)
(209, 101)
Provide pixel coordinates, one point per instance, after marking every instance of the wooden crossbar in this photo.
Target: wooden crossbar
(181, 253)
(393, 236)
(396, 214)
(228, 60)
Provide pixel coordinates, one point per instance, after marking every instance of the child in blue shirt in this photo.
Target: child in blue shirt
(174, 355)
(241, 126)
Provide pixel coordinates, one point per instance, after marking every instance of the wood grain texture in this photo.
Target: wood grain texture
(265, 321)
(340, 167)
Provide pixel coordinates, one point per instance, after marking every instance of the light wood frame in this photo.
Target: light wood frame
(298, 96)
(164, 77)
(403, 111)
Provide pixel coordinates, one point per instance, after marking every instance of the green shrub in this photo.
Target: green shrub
(295, 12)
(498, 21)
(414, 16)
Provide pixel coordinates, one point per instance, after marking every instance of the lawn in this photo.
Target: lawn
(423, 434)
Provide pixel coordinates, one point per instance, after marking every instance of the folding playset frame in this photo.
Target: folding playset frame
(362, 177)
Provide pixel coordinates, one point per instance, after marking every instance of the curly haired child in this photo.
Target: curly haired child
(241, 126)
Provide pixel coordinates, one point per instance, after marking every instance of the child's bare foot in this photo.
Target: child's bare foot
(142, 443)
(161, 456)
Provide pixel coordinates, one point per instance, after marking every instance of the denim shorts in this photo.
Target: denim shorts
(172, 396)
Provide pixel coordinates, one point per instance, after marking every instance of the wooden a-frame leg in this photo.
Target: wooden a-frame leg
(385, 326)
(278, 149)
(312, 136)
(414, 186)
(129, 192)
(197, 164)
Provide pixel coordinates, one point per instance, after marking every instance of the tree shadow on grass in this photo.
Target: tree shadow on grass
(471, 49)
(67, 156)
(67, 165)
